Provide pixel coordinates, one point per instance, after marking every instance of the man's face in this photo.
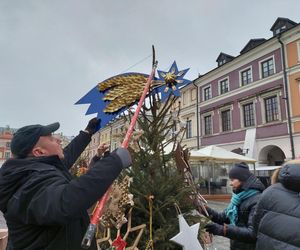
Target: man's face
(47, 146)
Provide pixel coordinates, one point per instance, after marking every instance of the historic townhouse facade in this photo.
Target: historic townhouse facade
(5, 140)
(243, 102)
(187, 104)
(292, 57)
(248, 104)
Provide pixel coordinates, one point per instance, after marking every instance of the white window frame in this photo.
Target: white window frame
(220, 110)
(260, 66)
(203, 92)
(191, 130)
(262, 98)
(211, 113)
(241, 107)
(240, 75)
(219, 85)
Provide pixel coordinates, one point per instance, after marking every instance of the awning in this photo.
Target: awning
(218, 154)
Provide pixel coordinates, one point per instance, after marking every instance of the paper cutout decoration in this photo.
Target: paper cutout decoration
(116, 94)
(173, 80)
(188, 235)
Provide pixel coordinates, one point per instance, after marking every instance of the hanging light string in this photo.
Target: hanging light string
(137, 63)
(141, 61)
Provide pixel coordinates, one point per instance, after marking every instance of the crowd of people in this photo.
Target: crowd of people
(259, 218)
(45, 208)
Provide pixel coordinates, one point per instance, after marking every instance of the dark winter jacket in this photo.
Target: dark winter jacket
(242, 236)
(277, 217)
(44, 207)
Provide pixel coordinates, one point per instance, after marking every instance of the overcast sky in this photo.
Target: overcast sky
(54, 51)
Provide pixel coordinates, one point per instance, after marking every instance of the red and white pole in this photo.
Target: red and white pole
(90, 233)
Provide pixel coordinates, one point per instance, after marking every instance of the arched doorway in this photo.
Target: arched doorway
(271, 155)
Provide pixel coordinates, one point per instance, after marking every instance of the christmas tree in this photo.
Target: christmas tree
(158, 187)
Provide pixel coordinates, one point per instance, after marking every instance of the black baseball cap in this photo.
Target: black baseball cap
(26, 137)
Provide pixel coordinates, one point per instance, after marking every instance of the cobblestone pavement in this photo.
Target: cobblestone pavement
(219, 242)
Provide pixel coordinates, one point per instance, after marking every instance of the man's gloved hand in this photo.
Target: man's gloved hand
(215, 229)
(125, 157)
(93, 126)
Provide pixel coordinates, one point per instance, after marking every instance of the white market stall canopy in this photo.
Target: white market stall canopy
(264, 168)
(218, 154)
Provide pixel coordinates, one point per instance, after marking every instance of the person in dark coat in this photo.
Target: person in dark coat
(277, 216)
(235, 222)
(44, 207)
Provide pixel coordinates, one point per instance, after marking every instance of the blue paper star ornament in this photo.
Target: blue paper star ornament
(173, 80)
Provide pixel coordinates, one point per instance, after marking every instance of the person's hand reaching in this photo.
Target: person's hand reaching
(93, 126)
(102, 148)
(215, 229)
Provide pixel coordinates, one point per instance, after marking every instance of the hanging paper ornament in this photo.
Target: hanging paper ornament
(188, 235)
(173, 80)
(119, 243)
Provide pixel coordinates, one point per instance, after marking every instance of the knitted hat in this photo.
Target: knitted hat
(240, 171)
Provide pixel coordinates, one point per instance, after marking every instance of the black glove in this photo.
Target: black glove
(93, 126)
(215, 229)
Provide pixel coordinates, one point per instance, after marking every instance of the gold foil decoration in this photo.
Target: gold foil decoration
(123, 90)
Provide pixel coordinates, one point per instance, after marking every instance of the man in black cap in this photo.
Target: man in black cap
(44, 207)
(235, 222)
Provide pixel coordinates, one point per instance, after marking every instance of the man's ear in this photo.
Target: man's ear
(38, 151)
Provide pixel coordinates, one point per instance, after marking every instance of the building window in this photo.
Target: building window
(248, 115)
(271, 109)
(223, 86)
(7, 155)
(207, 93)
(188, 129)
(246, 77)
(221, 62)
(8, 144)
(226, 121)
(207, 125)
(280, 29)
(267, 68)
